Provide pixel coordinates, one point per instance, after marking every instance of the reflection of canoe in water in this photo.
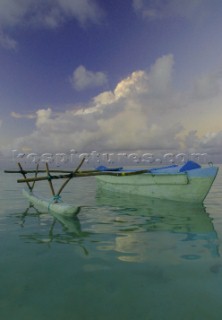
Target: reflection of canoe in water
(71, 227)
(160, 214)
(167, 230)
(187, 183)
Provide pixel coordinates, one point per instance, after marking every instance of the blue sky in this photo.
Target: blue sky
(111, 75)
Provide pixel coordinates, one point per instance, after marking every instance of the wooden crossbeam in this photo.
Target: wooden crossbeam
(83, 174)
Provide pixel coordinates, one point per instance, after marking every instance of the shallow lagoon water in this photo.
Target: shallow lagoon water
(123, 258)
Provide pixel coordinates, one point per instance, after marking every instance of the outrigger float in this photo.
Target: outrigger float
(187, 183)
(55, 205)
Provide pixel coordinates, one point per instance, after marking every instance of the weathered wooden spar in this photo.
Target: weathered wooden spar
(81, 174)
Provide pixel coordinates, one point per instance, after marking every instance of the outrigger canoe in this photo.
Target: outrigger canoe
(187, 183)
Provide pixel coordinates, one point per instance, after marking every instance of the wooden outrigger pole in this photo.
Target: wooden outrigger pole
(39, 171)
(68, 179)
(81, 174)
(24, 175)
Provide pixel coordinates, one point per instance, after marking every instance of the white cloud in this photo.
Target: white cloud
(207, 86)
(83, 78)
(44, 13)
(160, 8)
(133, 84)
(129, 117)
(209, 144)
(22, 116)
(143, 112)
(212, 142)
(13, 11)
(7, 42)
(47, 12)
(82, 10)
(43, 116)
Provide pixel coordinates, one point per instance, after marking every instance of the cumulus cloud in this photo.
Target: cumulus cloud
(83, 78)
(44, 13)
(143, 112)
(129, 117)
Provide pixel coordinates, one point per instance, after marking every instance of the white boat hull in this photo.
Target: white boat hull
(59, 208)
(190, 186)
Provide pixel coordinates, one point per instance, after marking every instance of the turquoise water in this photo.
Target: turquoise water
(124, 258)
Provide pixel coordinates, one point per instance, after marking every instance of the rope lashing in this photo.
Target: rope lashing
(55, 199)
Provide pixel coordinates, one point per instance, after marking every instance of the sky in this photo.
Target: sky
(110, 76)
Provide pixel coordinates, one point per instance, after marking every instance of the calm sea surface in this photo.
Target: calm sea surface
(124, 258)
